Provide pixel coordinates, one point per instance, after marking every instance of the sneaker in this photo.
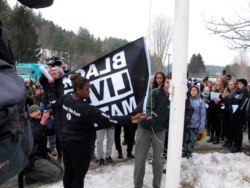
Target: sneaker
(120, 156)
(216, 141)
(101, 162)
(131, 156)
(109, 160)
(235, 150)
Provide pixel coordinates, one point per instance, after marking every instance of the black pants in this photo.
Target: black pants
(226, 125)
(129, 134)
(238, 123)
(216, 123)
(76, 158)
(58, 148)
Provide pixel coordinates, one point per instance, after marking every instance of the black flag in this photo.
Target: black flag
(119, 80)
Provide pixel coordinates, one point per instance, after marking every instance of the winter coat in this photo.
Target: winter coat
(198, 119)
(40, 133)
(79, 120)
(158, 106)
(240, 98)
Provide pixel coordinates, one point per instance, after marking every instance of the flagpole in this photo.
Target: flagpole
(179, 88)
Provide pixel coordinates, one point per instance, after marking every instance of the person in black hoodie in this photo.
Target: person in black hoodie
(79, 121)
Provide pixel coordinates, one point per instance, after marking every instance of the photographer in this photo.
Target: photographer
(59, 63)
(53, 89)
(42, 167)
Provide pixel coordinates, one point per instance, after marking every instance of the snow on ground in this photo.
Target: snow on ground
(211, 170)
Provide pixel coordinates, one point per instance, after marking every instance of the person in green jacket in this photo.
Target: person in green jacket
(152, 132)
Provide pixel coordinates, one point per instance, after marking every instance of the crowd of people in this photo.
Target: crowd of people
(65, 140)
(227, 103)
(64, 128)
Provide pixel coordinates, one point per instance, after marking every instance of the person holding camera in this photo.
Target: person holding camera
(42, 167)
(53, 89)
(59, 63)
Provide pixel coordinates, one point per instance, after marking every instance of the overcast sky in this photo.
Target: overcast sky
(131, 19)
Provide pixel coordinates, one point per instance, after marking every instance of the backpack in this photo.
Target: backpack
(16, 141)
(37, 3)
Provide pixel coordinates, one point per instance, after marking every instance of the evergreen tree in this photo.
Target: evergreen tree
(24, 35)
(85, 40)
(196, 64)
(5, 13)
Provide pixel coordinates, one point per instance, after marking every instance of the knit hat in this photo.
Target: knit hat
(33, 108)
(243, 81)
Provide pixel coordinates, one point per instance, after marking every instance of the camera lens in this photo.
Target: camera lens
(58, 63)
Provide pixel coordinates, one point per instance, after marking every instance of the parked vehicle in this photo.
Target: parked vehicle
(31, 70)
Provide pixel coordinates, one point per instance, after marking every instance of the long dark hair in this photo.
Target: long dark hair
(155, 85)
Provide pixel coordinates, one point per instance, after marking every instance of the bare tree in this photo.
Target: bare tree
(236, 33)
(240, 66)
(161, 37)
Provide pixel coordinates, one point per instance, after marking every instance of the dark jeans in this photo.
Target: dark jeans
(189, 140)
(76, 158)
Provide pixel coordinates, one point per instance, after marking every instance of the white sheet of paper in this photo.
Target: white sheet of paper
(214, 95)
(235, 107)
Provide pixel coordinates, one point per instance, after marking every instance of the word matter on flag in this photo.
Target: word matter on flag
(119, 81)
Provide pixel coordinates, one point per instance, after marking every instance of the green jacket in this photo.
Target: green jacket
(158, 103)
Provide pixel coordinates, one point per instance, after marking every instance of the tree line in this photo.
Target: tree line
(34, 38)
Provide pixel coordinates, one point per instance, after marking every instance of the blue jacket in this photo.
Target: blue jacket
(198, 119)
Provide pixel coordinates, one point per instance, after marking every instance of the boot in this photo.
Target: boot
(226, 143)
(235, 150)
(208, 133)
(216, 140)
(230, 143)
(211, 139)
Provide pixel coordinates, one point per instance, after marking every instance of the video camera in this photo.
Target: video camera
(54, 61)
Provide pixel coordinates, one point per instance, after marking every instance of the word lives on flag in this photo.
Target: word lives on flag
(119, 80)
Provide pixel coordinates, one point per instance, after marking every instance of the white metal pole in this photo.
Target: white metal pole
(179, 88)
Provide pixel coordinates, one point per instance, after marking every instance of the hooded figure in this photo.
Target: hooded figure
(197, 121)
